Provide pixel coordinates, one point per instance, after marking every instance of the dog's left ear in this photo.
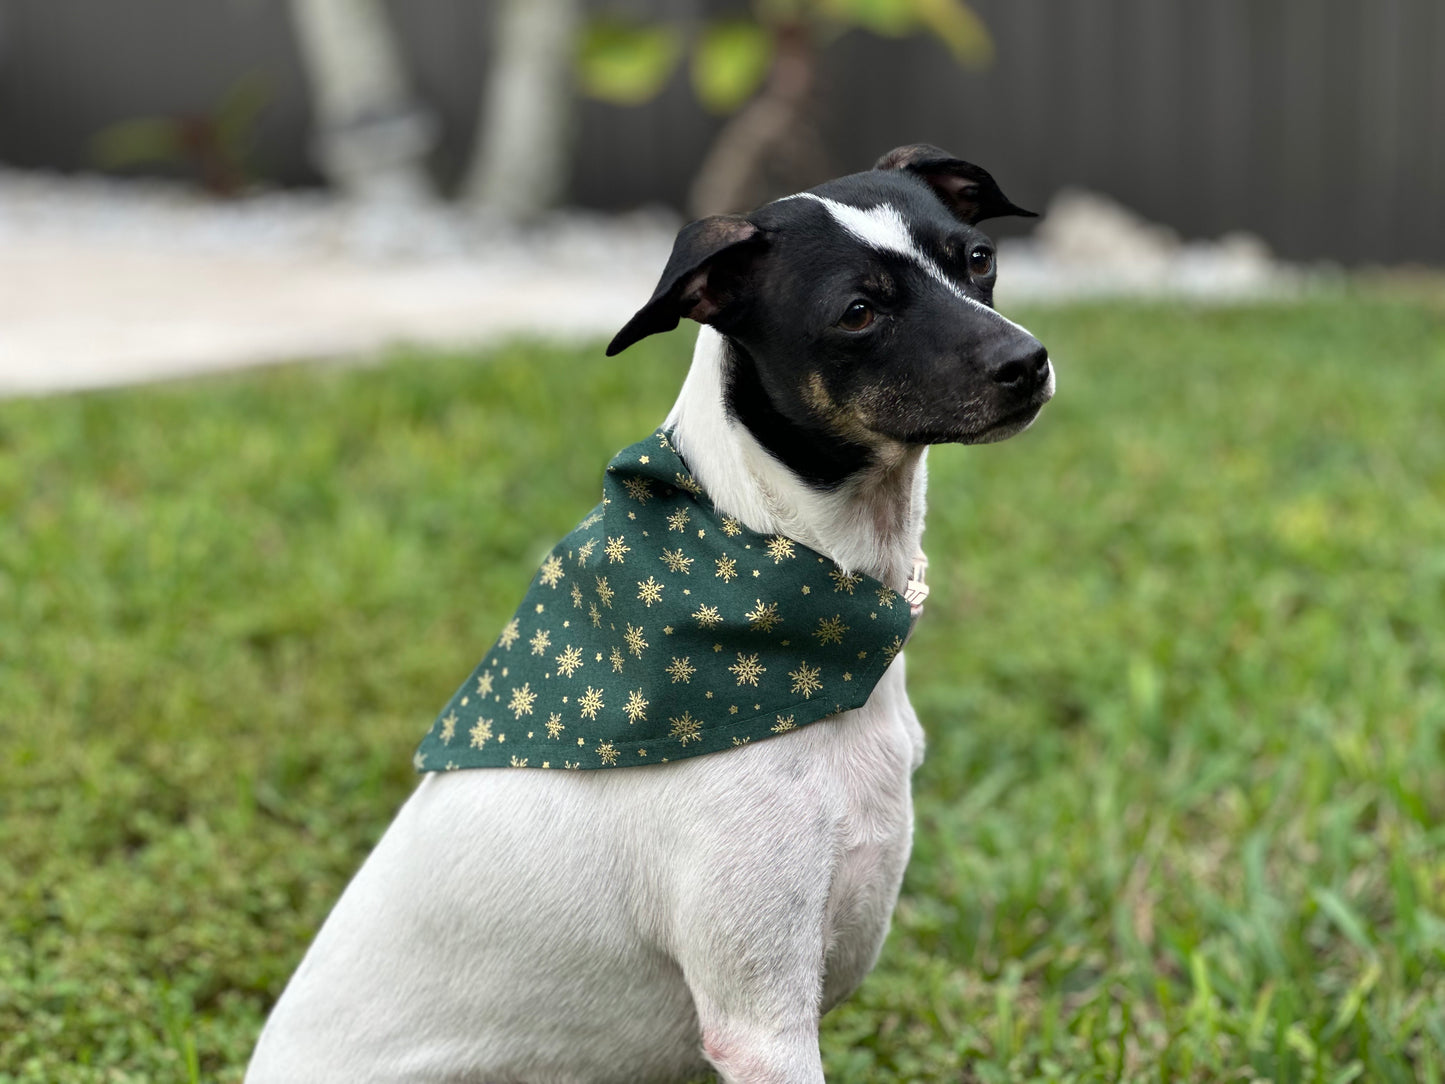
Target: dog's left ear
(702, 276)
(965, 189)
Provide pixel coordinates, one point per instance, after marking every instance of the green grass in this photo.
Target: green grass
(1183, 676)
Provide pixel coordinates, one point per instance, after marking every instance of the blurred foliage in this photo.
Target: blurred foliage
(214, 147)
(627, 62)
(1182, 816)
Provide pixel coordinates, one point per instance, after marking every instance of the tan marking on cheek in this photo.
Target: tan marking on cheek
(844, 419)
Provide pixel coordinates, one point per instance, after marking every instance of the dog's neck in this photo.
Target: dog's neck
(872, 522)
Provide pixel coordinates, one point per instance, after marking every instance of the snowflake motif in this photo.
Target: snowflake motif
(886, 595)
(569, 661)
(608, 752)
(831, 629)
(685, 728)
(784, 725)
(678, 520)
(522, 700)
(741, 741)
(727, 568)
(449, 727)
(591, 703)
(748, 669)
(571, 765)
(890, 651)
(604, 593)
(649, 592)
(845, 581)
(484, 684)
(519, 762)
(688, 483)
(551, 572)
(418, 760)
(780, 547)
(636, 706)
(805, 680)
(592, 520)
(617, 660)
(764, 616)
(541, 642)
(584, 551)
(707, 616)
(676, 562)
(481, 733)
(576, 596)
(682, 669)
(616, 550)
(510, 634)
(554, 726)
(596, 615)
(638, 489)
(731, 527)
(635, 642)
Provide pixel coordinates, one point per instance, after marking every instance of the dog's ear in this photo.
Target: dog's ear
(965, 189)
(702, 276)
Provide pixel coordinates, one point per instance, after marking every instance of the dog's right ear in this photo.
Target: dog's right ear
(700, 279)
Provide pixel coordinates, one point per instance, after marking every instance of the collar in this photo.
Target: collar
(660, 628)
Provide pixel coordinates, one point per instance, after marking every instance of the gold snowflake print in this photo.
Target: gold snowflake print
(551, 572)
(676, 561)
(484, 684)
(681, 669)
(764, 616)
(731, 527)
(747, 669)
(779, 548)
(584, 551)
(845, 581)
(685, 728)
(481, 733)
(449, 726)
(594, 519)
(569, 661)
(608, 752)
(687, 482)
(784, 725)
(510, 634)
(649, 592)
(636, 706)
(741, 741)
(707, 616)
(596, 615)
(678, 520)
(727, 568)
(616, 660)
(638, 489)
(886, 595)
(591, 702)
(554, 726)
(635, 643)
(541, 642)
(604, 592)
(522, 699)
(830, 630)
(616, 550)
(805, 680)
(576, 596)
(890, 651)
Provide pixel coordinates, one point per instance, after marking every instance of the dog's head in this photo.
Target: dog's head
(859, 314)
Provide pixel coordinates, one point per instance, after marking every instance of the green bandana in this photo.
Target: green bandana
(659, 629)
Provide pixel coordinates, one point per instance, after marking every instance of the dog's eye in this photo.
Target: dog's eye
(980, 262)
(857, 316)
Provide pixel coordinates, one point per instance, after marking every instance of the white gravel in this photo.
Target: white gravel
(107, 282)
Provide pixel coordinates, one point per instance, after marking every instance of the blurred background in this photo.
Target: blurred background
(1212, 149)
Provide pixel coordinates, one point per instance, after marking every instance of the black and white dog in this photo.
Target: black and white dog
(645, 924)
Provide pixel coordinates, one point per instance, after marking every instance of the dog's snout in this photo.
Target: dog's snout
(1030, 368)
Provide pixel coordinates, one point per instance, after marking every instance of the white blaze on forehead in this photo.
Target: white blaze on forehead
(883, 228)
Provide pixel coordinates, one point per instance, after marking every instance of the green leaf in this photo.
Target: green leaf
(729, 62)
(144, 141)
(626, 63)
(958, 26)
(887, 18)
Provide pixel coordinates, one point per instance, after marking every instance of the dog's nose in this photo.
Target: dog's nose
(1027, 370)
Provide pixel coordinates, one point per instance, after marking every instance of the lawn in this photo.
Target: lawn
(1182, 673)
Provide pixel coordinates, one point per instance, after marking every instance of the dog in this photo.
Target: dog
(652, 923)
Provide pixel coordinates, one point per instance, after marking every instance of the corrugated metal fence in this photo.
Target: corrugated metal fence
(1318, 124)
